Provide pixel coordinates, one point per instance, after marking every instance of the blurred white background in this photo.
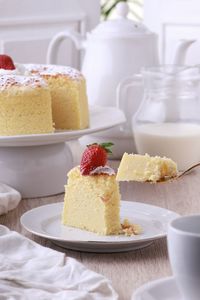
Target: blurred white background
(26, 26)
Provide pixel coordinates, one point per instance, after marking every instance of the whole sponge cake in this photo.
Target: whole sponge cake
(68, 91)
(25, 105)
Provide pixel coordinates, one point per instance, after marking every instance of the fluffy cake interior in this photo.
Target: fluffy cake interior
(69, 102)
(92, 203)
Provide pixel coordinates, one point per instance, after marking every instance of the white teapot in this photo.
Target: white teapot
(114, 50)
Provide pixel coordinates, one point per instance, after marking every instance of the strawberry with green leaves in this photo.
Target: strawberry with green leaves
(94, 156)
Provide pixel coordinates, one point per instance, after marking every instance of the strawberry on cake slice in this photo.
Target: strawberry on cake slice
(92, 198)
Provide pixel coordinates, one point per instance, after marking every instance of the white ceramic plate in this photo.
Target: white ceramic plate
(101, 118)
(45, 221)
(162, 289)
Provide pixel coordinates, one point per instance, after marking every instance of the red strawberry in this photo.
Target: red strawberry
(94, 156)
(6, 62)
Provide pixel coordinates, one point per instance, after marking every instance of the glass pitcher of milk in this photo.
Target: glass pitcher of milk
(167, 123)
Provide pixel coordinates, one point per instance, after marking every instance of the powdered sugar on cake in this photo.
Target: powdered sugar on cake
(103, 170)
(7, 81)
(54, 70)
(39, 69)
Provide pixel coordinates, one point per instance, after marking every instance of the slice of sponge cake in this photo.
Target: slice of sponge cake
(92, 202)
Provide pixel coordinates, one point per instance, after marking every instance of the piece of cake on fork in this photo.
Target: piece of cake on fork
(142, 168)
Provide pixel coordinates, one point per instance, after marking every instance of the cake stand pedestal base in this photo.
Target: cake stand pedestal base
(36, 171)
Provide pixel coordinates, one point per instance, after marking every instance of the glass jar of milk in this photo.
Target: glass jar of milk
(167, 122)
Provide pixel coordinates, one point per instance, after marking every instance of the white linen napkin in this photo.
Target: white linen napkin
(29, 271)
(9, 198)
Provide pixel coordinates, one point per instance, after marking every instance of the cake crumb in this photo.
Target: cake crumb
(129, 229)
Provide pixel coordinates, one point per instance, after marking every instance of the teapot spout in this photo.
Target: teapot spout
(181, 50)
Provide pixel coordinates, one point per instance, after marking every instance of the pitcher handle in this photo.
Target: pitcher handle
(55, 42)
(132, 81)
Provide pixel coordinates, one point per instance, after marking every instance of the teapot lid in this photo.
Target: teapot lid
(120, 27)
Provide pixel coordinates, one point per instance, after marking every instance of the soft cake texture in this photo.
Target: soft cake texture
(92, 203)
(25, 106)
(68, 91)
(145, 168)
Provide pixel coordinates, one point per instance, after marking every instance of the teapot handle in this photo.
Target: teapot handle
(55, 42)
(121, 99)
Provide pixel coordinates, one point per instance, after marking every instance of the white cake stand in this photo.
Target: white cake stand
(37, 165)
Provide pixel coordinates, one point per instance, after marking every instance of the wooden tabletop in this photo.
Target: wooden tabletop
(128, 270)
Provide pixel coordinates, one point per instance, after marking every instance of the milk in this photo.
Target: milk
(178, 141)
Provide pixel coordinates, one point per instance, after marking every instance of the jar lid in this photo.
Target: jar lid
(121, 26)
